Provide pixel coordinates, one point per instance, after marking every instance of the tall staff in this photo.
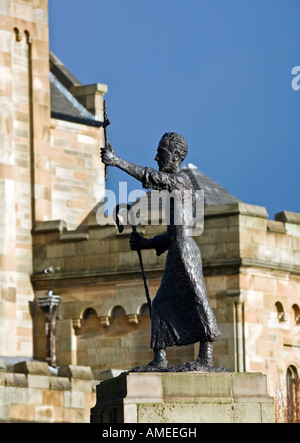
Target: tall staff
(106, 122)
(121, 229)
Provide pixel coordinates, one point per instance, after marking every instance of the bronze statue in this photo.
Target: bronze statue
(180, 313)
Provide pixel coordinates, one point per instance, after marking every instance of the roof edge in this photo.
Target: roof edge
(62, 73)
(73, 119)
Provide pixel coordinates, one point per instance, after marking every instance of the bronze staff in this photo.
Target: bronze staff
(121, 228)
(106, 122)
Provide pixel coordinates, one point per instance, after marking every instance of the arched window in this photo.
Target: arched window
(293, 395)
(144, 309)
(18, 34)
(119, 322)
(90, 322)
(89, 313)
(280, 312)
(118, 311)
(296, 310)
(28, 37)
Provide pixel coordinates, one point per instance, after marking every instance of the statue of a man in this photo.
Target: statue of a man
(180, 314)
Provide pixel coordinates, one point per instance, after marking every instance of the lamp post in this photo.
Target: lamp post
(49, 305)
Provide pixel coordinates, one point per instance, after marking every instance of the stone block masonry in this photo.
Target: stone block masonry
(24, 138)
(31, 394)
(49, 168)
(77, 178)
(184, 398)
(98, 271)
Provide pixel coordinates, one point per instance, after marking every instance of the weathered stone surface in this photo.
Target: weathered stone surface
(60, 383)
(72, 371)
(35, 398)
(179, 387)
(19, 380)
(288, 217)
(32, 368)
(50, 226)
(250, 387)
(184, 398)
(110, 373)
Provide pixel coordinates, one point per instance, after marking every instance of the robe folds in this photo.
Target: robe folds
(181, 314)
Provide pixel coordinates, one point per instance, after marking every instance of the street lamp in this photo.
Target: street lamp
(49, 305)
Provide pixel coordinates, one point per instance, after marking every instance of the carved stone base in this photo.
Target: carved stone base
(184, 398)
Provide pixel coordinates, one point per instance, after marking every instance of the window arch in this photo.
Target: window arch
(296, 310)
(280, 312)
(119, 324)
(28, 37)
(89, 313)
(293, 394)
(144, 309)
(18, 34)
(118, 311)
(90, 322)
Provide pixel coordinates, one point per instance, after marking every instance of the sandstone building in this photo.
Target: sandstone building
(51, 184)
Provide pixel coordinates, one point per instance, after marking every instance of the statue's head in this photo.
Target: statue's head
(171, 152)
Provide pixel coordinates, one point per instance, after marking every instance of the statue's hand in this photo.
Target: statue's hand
(108, 155)
(137, 241)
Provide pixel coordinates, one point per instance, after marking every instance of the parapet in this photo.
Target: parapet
(288, 217)
(32, 393)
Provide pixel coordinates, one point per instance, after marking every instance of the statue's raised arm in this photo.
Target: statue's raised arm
(110, 158)
(171, 151)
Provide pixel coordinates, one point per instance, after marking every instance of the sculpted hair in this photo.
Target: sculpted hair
(176, 143)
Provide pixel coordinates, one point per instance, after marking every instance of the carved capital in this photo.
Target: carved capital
(105, 321)
(133, 319)
(76, 323)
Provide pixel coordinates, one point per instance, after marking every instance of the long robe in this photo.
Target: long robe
(181, 314)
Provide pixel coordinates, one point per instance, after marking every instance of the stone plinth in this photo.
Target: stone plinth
(184, 398)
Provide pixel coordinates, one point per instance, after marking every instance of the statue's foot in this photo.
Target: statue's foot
(204, 362)
(159, 362)
(206, 356)
(160, 359)
(200, 365)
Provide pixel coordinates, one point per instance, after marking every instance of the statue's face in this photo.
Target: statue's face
(164, 157)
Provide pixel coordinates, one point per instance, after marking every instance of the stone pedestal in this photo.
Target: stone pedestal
(184, 398)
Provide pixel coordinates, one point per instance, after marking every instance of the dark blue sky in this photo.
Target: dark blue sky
(216, 71)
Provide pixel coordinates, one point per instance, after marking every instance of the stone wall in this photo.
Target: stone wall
(250, 263)
(77, 173)
(100, 272)
(30, 394)
(49, 169)
(24, 143)
(270, 289)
